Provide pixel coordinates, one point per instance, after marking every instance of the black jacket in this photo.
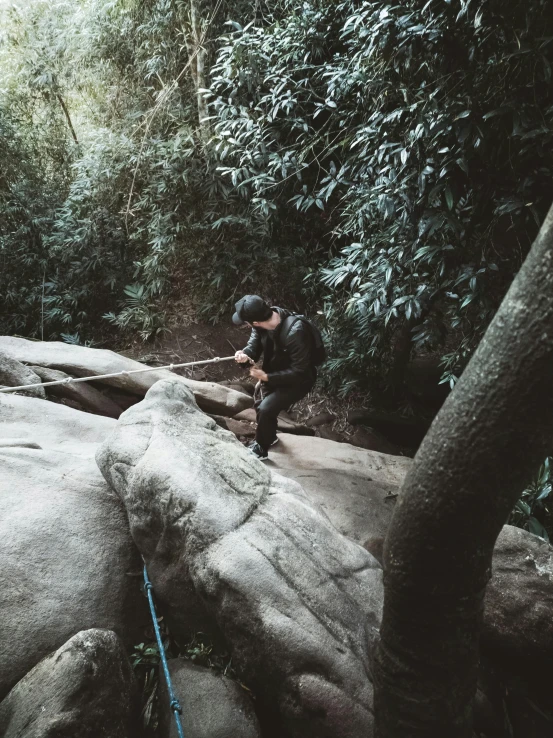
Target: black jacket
(287, 362)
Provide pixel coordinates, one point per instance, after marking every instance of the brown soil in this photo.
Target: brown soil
(189, 341)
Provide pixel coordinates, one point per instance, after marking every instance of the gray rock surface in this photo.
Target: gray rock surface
(297, 602)
(518, 622)
(83, 393)
(368, 439)
(18, 443)
(248, 415)
(67, 560)
(285, 424)
(80, 361)
(328, 432)
(14, 374)
(352, 485)
(57, 508)
(213, 706)
(86, 689)
(52, 426)
(240, 428)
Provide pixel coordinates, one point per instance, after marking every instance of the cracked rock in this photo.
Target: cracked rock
(228, 541)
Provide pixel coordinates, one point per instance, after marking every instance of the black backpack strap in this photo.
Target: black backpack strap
(287, 324)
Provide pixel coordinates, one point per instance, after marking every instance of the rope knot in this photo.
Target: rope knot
(175, 706)
(148, 586)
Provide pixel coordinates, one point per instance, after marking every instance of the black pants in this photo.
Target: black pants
(269, 403)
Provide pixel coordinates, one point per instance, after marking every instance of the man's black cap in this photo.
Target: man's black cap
(250, 308)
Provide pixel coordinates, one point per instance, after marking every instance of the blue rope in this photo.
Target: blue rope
(173, 700)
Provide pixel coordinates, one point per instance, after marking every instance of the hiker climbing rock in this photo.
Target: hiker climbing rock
(292, 349)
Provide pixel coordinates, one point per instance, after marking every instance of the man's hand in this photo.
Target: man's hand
(259, 374)
(241, 357)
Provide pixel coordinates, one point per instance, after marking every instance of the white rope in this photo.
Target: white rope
(71, 380)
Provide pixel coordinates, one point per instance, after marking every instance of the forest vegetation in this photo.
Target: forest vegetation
(385, 166)
(382, 167)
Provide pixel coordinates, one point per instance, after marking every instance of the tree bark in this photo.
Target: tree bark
(491, 435)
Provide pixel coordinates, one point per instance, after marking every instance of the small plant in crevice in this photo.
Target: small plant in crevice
(534, 509)
(202, 651)
(145, 661)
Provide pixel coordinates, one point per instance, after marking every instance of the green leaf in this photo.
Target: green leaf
(523, 507)
(499, 111)
(535, 527)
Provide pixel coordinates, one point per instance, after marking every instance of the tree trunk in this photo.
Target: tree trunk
(491, 435)
(198, 54)
(403, 346)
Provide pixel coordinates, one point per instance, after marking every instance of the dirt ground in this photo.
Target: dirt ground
(195, 341)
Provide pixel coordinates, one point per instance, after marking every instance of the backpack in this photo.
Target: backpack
(319, 350)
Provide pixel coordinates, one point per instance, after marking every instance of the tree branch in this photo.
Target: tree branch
(67, 117)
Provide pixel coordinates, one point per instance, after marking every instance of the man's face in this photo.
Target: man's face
(266, 324)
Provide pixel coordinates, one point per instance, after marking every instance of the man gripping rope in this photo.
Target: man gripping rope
(292, 349)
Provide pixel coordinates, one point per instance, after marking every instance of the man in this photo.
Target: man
(288, 371)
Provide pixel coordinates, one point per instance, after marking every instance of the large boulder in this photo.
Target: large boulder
(52, 426)
(67, 560)
(80, 361)
(15, 374)
(518, 622)
(85, 689)
(355, 488)
(88, 397)
(213, 706)
(226, 539)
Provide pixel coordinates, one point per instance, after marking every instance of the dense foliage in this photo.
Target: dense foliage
(415, 138)
(34, 161)
(386, 165)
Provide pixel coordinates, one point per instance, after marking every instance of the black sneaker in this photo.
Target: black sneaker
(277, 439)
(256, 449)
